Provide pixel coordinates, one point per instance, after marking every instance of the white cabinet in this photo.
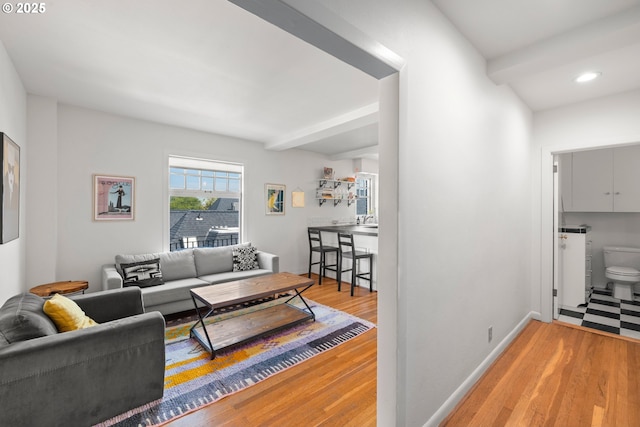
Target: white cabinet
(604, 180)
(576, 268)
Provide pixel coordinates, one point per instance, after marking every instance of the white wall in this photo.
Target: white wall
(464, 204)
(93, 142)
(42, 199)
(13, 122)
(603, 122)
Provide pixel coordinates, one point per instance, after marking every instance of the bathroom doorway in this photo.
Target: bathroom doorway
(616, 226)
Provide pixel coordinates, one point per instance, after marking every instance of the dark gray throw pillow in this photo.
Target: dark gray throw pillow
(143, 274)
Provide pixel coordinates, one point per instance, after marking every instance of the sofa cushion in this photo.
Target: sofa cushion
(234, 275)
(22, 318)
(174, 265)
(215, 260)
(244, 258)
(66, 314)
(142, 273)
(175, 290)
(178, 265)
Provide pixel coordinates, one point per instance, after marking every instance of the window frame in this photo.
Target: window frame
(203, 165)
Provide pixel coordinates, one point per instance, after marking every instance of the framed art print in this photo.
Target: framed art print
(10, 216)
(274, 195)
(113, 198)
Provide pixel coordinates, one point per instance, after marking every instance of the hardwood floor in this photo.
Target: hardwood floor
(557, 375)
(335, 388)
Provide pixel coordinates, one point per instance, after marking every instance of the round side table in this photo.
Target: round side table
(67, 287)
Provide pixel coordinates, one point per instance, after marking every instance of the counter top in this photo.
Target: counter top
(363, 230)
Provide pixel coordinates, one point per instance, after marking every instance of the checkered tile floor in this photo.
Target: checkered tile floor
(606, 313)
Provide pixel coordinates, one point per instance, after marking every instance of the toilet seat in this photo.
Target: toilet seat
(623, 274)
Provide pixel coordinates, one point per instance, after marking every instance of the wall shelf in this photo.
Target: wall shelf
(326, 191)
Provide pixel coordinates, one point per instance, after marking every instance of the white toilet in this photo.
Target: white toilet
(622, 267)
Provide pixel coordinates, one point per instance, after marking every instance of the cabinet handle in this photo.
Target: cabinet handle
(617, 193)
(607, 193)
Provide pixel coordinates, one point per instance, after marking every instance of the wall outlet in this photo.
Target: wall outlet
(490, 333)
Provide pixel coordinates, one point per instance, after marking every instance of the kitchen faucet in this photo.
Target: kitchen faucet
(366, 217)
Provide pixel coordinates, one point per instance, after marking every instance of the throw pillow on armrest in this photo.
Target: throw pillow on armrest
(66, 314)
(244, 258)
(143, 274)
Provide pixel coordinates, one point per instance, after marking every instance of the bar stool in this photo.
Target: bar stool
(348, 250)
(315, 245)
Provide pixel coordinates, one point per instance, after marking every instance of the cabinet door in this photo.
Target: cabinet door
(573, 270)
(626, 179)
(565, 175)
(592, 181)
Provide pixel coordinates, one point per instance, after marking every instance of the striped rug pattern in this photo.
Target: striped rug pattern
(192, 380)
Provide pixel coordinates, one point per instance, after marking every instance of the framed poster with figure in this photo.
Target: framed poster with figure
(113, 198)
(274, 194)
(10, 217)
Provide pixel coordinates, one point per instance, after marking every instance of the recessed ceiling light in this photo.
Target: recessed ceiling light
(587, 77)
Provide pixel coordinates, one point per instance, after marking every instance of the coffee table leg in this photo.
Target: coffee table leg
(299, 294)
(204, 328)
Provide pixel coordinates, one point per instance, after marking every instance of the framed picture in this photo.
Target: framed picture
(10, 217)
(113, 198)
(274, 195)
(328, 173)
(297, 199)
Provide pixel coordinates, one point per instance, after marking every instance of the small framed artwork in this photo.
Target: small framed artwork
(297, 199)
(10, 216)
(328, 173)
(113, 198)
(274, 195)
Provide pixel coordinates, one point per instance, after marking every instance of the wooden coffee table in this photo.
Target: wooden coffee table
(262, 321)
(67, 287)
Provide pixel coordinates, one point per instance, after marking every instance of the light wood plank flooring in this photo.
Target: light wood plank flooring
(557, 375)
(336, 388)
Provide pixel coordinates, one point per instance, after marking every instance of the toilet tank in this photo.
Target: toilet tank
(621, 256)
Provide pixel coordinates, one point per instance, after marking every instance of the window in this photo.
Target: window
(205, 199)
(366, 192)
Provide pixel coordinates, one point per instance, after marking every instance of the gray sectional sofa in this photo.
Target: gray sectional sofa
(184, 270)
(82, 377)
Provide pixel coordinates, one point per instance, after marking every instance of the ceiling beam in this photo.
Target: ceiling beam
(315, 24)
(613, 32)
(370, 152)
(352, 120)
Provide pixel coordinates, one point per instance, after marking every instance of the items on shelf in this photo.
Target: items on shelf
(336, 190)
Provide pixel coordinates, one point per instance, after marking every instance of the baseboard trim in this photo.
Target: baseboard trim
(466, 385)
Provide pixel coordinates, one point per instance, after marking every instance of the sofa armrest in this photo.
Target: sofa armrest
(83, 377)
(268, 261)
(105, 306)
(111, 279)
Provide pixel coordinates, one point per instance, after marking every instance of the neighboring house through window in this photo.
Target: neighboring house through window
(205, 201)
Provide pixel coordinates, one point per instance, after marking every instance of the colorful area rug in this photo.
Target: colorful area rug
(193, 380)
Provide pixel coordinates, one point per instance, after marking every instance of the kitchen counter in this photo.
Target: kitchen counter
(362, 230)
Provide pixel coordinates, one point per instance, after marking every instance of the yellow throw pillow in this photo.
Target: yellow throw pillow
(66, 314)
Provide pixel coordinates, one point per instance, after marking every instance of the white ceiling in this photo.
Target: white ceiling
(538, 47)
(210, 65)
